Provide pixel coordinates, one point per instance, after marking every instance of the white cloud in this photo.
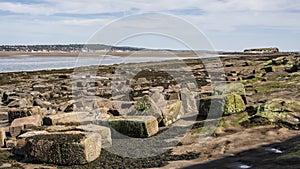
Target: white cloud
(215, 17)
(37, 9)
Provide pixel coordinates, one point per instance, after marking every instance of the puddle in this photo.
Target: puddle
(243, 166)
(274, 150)
(238, 166)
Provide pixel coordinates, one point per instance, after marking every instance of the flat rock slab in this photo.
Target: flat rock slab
(2, 137)
(20, 124)
(14, 113)
(105, 133)
(135, 126)
(73, 118)
(3, 115)
(68, 148)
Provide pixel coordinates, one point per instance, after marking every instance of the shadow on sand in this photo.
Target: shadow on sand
(285, 155)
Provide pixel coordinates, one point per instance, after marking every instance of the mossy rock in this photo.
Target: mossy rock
(215, 106)
(296, 66)
(276, 62)
(63, 148)
(146, 107)
(135, 126)
(280, 110)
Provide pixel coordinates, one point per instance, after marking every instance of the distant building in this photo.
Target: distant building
(262, 50)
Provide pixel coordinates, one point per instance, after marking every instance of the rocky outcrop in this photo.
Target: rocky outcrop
(262, 50)
(296, 66)
(280, 111)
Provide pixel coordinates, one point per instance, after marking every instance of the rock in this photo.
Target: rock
(69, 106)
(73, 118)
(64, 76)
(20, 124)
(159, 89)
(14, 113)
(216, 106)
(142, 81)
(280, 110)
(115, 107)
(159, 100)
(276, 62)
(105, 133)
(189, 102)
(41, 103)
(2, 137)
(11, 143)
(148, 107)
(232, 88)
(237, 88)
(135, 126)
(296, 66)
(6, 165)
(3, 115)
(42, 87)
(269, 69)
(172, 113)
(19, 103)
(68, 148)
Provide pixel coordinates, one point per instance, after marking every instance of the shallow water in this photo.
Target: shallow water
(32, 63)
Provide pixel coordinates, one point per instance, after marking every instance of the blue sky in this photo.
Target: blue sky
(230, 25)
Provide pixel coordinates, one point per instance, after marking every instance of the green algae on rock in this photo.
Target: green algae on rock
(280, 110)
(225, 104)
(63, 149)
(135, 126)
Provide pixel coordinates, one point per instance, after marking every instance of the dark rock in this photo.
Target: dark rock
(68, 148)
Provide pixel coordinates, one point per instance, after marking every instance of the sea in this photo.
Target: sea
(21, 63)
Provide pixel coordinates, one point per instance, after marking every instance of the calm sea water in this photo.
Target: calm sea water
(32, 63)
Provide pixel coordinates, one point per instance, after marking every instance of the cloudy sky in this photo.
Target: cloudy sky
(228, 24)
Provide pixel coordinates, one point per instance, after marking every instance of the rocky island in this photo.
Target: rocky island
(239, 111)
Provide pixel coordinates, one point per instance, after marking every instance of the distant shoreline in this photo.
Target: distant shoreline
(112, 53)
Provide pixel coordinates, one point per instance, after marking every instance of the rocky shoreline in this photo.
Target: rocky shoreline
(147, 115)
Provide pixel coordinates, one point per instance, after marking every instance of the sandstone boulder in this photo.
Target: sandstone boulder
(237, 88)
(105, 133)
(69, 148)
(73, 118)
(20, 124)
(42, 87)
(146, 106)
(3, 115)
(2, 137)
(216, 106)
(172, 113)
(135, 126)
(14, 113)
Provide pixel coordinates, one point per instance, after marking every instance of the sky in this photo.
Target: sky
(229, 25)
